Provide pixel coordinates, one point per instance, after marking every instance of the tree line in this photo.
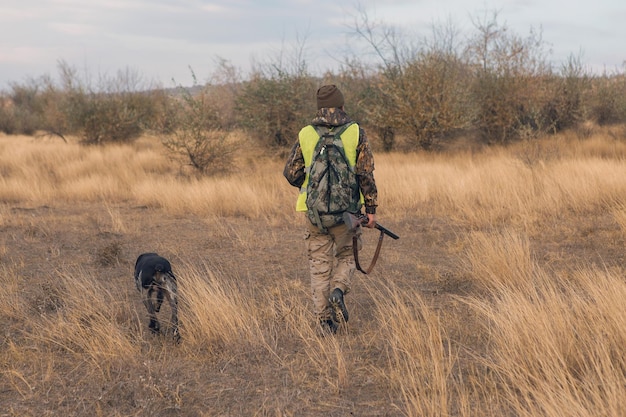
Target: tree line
(493, 85)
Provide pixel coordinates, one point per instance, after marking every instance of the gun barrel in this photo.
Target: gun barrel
(387, 232)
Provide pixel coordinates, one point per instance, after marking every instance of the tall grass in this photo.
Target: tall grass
(498, 187)
(48, 173)
(524, 336)
(213, 312)
(420, 356)
(556, 338)
(477, 188)
(87, 319)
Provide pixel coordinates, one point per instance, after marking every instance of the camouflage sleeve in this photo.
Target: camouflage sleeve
(294, 168)
(365, 173)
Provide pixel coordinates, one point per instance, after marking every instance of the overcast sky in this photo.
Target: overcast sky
(162, 39)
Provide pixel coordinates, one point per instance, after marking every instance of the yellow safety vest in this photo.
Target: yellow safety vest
(308, 138)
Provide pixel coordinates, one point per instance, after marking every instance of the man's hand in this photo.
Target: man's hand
(371, 221)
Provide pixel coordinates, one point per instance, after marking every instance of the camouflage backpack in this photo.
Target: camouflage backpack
(333, 187)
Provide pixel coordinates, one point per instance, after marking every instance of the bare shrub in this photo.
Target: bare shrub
(20, 111)
(278, 99)
(508, 70)
(437, 80)
(274, 109)
(419, 91)
(565, 106)
(608, 102)
(225, 85)
(199, 139)
(7, 117)
(115, 110)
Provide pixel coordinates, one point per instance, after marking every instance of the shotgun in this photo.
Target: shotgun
(354, 221)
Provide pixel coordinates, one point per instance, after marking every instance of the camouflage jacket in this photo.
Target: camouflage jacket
(294, 168)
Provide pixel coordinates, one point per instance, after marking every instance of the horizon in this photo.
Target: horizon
(164, 41)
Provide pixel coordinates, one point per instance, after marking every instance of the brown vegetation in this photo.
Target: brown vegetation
(416, 94)
(503, 296)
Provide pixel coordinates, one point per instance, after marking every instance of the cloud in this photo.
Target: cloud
(164, 37)
(73, 29)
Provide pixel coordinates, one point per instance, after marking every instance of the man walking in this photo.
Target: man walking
(333, 166)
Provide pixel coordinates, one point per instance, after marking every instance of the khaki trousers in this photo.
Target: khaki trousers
(331, 263)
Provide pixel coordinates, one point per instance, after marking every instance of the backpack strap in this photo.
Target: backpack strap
(330, 130)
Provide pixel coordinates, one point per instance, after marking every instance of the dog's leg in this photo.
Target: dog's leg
(159, 283)
(147, 301)
(159, 300)
(171, 292)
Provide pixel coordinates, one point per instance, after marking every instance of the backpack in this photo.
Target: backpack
(333, 187)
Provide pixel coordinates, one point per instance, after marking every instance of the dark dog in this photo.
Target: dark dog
(153, 273)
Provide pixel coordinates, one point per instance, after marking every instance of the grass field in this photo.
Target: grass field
(503, 296)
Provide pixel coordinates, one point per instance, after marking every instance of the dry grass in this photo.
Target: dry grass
(503, 296)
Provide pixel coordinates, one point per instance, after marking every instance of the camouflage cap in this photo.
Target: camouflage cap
(329, 96)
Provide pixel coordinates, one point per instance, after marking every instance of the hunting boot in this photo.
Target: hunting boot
(338, 307)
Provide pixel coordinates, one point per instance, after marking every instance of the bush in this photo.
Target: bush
(112, 117)
(198, 139)
(608, 99)
(7, 118)
(21, 109)
(437, 102)
(273, 110)
(508, 72)
(565, 107)
(419, 92)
